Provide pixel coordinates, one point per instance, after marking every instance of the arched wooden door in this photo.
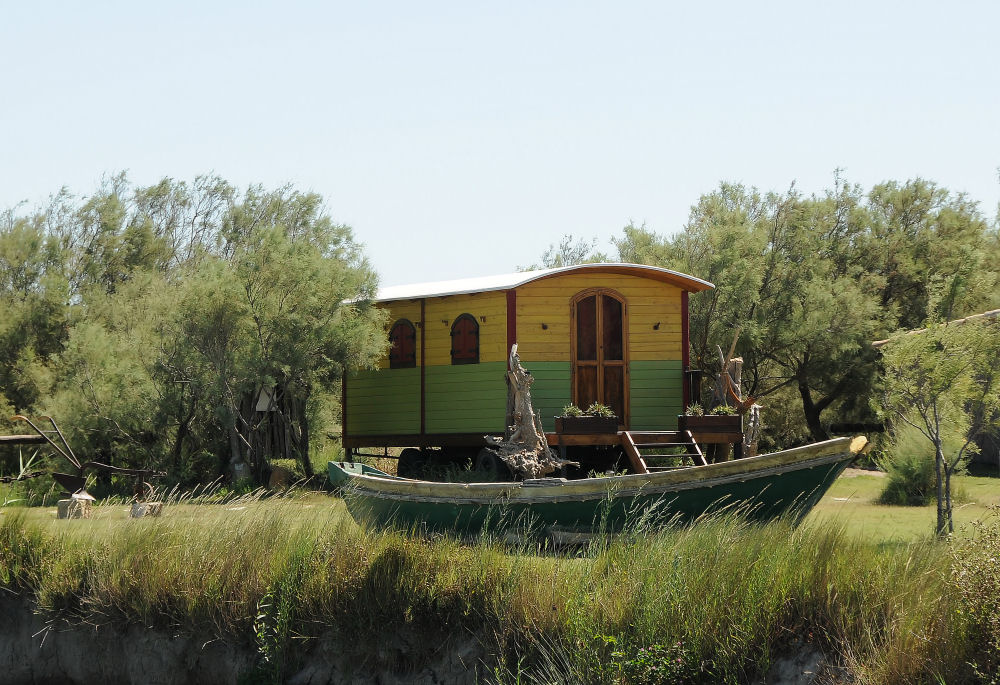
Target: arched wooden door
(599, 351)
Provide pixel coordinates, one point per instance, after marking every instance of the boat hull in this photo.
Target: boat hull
(760, 488)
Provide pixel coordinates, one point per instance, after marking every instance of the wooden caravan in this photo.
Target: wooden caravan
(610, 333)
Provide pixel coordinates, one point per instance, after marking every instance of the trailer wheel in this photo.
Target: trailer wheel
(489, 462)
(411, 463)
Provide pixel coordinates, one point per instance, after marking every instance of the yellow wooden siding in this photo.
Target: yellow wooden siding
(406, 309)
(648, 303)
(490, 311)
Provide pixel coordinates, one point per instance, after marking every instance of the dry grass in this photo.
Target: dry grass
(732, 595)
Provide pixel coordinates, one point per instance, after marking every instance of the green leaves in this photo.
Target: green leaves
(942, 381)
(148, 319)
(811, 281)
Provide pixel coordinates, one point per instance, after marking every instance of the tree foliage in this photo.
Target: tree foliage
(150, 320)
(568, 252)
(943, 381)
(810, 282)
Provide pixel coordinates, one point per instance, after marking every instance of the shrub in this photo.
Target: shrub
(909, 466)
(976, 579)
(660, 665)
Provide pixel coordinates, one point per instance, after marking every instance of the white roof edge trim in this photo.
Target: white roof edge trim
(480, 284)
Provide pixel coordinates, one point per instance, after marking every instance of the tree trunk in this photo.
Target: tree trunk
(235, 455)
(303, 441)
(812, 412)
(939, 470)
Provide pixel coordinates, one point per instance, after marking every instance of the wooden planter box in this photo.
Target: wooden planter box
(579, 425)
(710, 424)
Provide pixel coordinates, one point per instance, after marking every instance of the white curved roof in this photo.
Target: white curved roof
(481, 284)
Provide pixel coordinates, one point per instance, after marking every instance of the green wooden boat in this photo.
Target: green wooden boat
(789, 482)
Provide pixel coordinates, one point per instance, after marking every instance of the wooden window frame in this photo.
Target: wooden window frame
(406, 364)
(464, 360)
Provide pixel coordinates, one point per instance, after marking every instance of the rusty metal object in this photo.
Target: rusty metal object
(75, 484)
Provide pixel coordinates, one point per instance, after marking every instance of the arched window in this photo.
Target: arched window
(465, 340)
(403, 350)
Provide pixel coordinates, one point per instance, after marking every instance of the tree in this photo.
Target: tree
(568, 253)
(939, 380)
(151, 320)
(304, 287)
(810, 281)
(34, 299)
(780, 264)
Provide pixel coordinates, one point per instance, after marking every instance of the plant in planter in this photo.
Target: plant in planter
(597, 418)
(602, 410)
(720, 419)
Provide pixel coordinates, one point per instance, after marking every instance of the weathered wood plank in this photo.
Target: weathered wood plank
(21, 439)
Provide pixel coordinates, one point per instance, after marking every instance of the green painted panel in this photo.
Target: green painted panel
(656, 394)
(659, 365)
(383, 402)
(468, 398)
(551, 390)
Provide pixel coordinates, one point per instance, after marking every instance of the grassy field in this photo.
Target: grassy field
(850, 503)
(716, 602)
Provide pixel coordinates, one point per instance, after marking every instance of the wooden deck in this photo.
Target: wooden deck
(684, 444)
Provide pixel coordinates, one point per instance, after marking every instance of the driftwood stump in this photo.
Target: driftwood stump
(524, 449)
(752, 427)
(728, 391)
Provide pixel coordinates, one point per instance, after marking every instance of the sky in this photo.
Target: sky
(463, 139)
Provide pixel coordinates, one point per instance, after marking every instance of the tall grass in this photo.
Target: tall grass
(723, 598)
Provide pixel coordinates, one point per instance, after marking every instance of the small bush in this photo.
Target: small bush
(909, 467)
(976, 579)
(292, 466)
(572, 410)
(660, 665)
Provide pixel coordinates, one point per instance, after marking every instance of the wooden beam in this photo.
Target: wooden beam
(699, 460)
(423, 367)
(585, 439)
(685, 351)
(632, 452)
(418, 440)
(22, 439)
(511, 321)
(706, 438)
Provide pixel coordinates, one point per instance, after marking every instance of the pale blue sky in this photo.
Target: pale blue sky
(460, 139)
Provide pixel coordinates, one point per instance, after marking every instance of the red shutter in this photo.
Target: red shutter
(403, 350)
(465, 340)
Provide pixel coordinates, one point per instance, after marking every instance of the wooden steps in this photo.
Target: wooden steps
(634, 442)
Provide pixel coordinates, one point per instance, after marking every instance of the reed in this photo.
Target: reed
(720, 600)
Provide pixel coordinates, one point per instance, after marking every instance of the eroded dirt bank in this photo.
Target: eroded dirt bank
(36, 652)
